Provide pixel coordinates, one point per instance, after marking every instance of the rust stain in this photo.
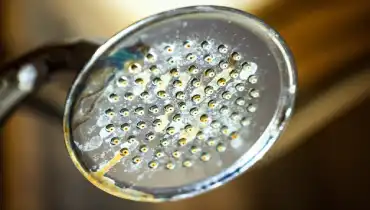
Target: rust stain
(109, 165)
(105, 184)
(234, 136)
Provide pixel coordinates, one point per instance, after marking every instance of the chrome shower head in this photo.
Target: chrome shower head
(179, 103)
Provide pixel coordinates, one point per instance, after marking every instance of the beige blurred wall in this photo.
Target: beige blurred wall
(29, 24)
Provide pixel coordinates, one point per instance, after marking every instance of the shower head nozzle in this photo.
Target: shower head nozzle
(179, 103)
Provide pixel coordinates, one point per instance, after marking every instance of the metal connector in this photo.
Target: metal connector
(21, 77)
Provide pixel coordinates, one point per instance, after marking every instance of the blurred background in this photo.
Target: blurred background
(321, 161)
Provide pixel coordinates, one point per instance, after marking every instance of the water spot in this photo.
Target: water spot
(248, 69)
(184, 24)
(94, 143)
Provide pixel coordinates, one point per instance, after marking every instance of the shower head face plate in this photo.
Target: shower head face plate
(179, 103)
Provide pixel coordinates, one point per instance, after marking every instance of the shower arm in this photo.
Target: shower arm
(22, 77)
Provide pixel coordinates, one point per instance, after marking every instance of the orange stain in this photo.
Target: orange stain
(109, 165)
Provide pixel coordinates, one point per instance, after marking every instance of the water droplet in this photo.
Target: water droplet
(188, 44)
(206, 45)
(109, 128)
(222, 48)
(193, 69)
(136, 160)
(114, 141)
(205, 157)
(134, 68)
(124, 152)
(221, 82)
(141, 125)
(236, 56)
(153, 164)
(210, 73)
(187, 163)
(224, 65)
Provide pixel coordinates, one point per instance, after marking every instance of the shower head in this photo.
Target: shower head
(179, 103)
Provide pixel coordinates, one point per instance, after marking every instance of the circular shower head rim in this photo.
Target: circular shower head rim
(262, 145)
